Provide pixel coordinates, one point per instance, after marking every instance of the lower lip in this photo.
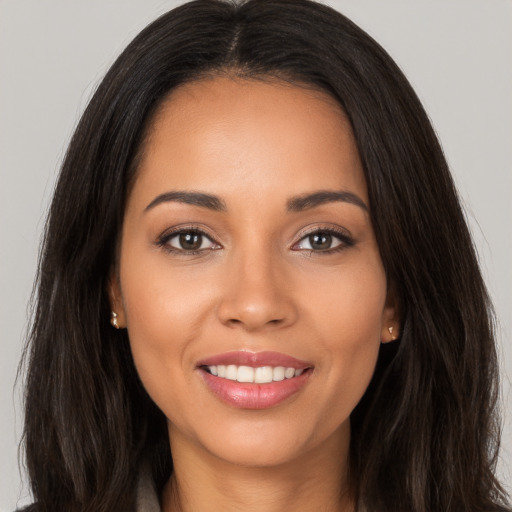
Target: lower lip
(254, 396)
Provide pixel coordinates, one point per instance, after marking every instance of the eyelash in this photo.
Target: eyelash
(345, 239)
(163, 242)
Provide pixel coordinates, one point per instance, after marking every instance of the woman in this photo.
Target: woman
(257, 287)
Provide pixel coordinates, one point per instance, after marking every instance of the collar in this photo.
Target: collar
(147, 499)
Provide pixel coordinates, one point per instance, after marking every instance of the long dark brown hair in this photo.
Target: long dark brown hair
(425, 435)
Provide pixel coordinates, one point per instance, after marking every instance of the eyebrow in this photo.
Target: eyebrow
(194, 198)
(308, 201)
(294, 204)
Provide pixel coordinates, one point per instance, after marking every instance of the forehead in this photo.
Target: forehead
(222, 133)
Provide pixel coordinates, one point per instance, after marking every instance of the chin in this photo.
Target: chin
(270, 443)
(258, 454)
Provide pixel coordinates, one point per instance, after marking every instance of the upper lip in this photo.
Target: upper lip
(255, 359)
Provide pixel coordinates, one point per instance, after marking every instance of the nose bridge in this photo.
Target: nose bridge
(256, 296)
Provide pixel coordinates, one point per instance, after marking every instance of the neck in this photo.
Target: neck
(316, 480)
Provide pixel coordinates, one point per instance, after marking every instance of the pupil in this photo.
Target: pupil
(320, 241)
(190, 241)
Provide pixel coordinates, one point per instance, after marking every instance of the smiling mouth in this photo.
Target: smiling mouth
(256, 388)
(258, 375)
(254, 380)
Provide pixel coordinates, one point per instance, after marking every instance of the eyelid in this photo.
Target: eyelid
(163, 239)
(343, 235)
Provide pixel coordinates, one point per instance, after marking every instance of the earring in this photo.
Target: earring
(390, 329)
(113, 320)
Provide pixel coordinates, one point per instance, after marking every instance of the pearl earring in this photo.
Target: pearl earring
(113, 320)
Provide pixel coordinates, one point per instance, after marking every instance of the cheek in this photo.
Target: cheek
(160, 299)
(350, 303)
(349, 316)
(165, 310)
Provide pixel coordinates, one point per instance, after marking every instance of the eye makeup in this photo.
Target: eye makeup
(191, 240)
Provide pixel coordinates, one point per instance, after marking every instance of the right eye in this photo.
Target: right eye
(188, 241)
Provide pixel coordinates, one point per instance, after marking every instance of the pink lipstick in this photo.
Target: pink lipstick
(251, 380)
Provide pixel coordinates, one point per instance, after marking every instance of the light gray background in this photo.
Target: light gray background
(456, 53)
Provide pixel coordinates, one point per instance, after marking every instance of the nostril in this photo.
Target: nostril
(255, 312)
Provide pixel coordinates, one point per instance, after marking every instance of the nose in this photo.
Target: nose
(258, 294)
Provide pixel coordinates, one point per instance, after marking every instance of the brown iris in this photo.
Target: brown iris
(320, 241)
(191, 241)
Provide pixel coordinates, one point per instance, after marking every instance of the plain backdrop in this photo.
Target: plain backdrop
(456, 53)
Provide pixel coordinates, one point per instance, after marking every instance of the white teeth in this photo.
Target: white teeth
(278, 373)
(260, 375)
(289, 373)
(245, 374)
(231, 371)
(263, 374)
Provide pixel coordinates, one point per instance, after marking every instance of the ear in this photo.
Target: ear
(391, 324)
(115, 299)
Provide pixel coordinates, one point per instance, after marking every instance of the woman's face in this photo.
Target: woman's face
(250, 280)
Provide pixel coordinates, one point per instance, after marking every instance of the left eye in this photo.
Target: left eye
(320, 241)
(190, 241)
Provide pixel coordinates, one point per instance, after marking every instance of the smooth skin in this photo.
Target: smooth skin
(305, 281)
